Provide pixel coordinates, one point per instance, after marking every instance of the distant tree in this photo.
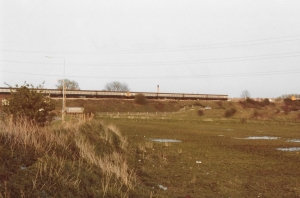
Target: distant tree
(245, 94)
(69, 85)
(116, 86)
(30, 103)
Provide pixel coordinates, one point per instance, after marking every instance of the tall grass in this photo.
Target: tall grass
(47, 160)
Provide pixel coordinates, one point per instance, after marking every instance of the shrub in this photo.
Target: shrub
(31, 103)
(288, 101)
(250, 103)
(200, 112)
(230, 112)
(140, 99)
(266, 101)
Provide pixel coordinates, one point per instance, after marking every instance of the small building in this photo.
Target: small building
(74, 110)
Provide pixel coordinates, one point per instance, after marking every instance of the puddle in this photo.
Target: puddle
(260, 138)
(164, 140)
(293, 140)
(289, 149)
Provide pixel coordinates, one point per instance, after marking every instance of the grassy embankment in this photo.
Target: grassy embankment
(88, 159)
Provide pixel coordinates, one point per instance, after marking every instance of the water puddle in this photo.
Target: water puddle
(260, 138)
(163, 140)
(295, 140)
(289, 149)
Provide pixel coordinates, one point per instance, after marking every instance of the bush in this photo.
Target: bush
(250, 103)
(230, 112)
(29, 102)
(200, 112)
(140, 99)
(266, 101)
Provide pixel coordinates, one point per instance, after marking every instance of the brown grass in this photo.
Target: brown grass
(52, 163)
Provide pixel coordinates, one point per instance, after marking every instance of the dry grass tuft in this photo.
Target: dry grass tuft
(61, 155)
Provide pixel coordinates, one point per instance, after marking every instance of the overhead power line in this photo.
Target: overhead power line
(202, 61)
(268, 73)
(196, 47)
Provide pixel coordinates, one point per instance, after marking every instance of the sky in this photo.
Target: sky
(184, 46)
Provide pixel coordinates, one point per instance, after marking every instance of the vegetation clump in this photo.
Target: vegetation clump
(250, 103)
(140, 99)
(30, 103)
(291, 105)
(230, 112)
(88, 159)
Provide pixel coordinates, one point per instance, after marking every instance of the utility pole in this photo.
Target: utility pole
(64, 89)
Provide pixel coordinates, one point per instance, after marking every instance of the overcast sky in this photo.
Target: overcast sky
(185, 46)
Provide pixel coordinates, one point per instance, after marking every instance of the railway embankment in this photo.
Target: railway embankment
(119, 105)
(213, 109)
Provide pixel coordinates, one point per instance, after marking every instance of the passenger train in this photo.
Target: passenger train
(122, 94)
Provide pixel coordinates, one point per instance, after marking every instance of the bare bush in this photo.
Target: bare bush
(140, 99)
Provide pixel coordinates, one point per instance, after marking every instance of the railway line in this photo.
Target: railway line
(55, 93)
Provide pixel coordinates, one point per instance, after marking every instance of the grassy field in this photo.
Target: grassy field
(215, 158)
(114, 155)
